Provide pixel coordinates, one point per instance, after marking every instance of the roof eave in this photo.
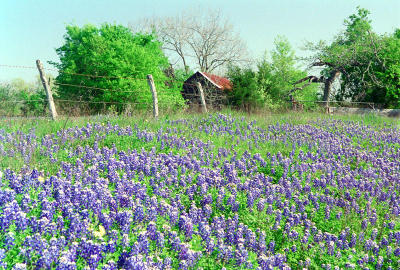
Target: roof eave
(211, 81)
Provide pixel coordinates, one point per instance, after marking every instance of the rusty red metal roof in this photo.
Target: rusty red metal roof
(221, 82)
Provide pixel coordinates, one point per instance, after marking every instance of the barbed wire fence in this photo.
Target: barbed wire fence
(334, 106)
(82, 106)
(194, 96)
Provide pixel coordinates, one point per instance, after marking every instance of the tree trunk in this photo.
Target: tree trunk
(328, 85)
(184, 65)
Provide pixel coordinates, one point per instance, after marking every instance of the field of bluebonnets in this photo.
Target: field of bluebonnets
(219, 191)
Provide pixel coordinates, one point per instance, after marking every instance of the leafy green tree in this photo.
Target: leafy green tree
(283, 68)
(34, 102)
(271, 84)
(276, 77)
(366, 63)
(246, 94)
(357, 51)
(176, 77)
(390, 74)
(22, 98)
(112, 54)
(6, 96)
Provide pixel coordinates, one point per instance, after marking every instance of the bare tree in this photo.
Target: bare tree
(173, 34)
(203, 38)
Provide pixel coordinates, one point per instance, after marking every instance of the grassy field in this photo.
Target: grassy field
(224, 190)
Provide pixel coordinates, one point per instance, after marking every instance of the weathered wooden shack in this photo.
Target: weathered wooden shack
(215, 89)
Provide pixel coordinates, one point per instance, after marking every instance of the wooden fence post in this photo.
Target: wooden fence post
(327, 109)
(203, 101)
(47, 88)
(154, 94)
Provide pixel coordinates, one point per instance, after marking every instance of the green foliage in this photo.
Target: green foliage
(6, 96)
(22, 98)
(246, 93)
(34, 103)
(357, 26)
(281, 72)
(271, 83)
(368, 62)
(179, 76)
(353, 51)
(390, 76)
(174, 82)
(374, 76)
(112, 52)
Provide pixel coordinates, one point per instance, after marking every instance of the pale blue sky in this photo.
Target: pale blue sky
(32, 29)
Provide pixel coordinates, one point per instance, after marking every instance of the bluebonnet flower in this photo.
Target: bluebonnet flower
(125, 240)
(167, 263)
(110, 265)
(175, 242)
(173, 218)
(293, 235)
(271, 247)
(46, 259)
(20, 266)
(389, 251)
(374, 233)
(241, 255)
(160, 240)
(384, 242)
(379, 263)
(331, 248)
(136, 262)
(186, 225)
(9, 240)
(93, 261)
(152, 231)
(391, 225)
(361, 237)
(3, 264)
(144, 244)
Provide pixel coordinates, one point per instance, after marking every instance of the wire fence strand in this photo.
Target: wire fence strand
(189, 94)
(22, 101)
(166, 80)
(110, 89)
(97, 88)
(17, 66)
